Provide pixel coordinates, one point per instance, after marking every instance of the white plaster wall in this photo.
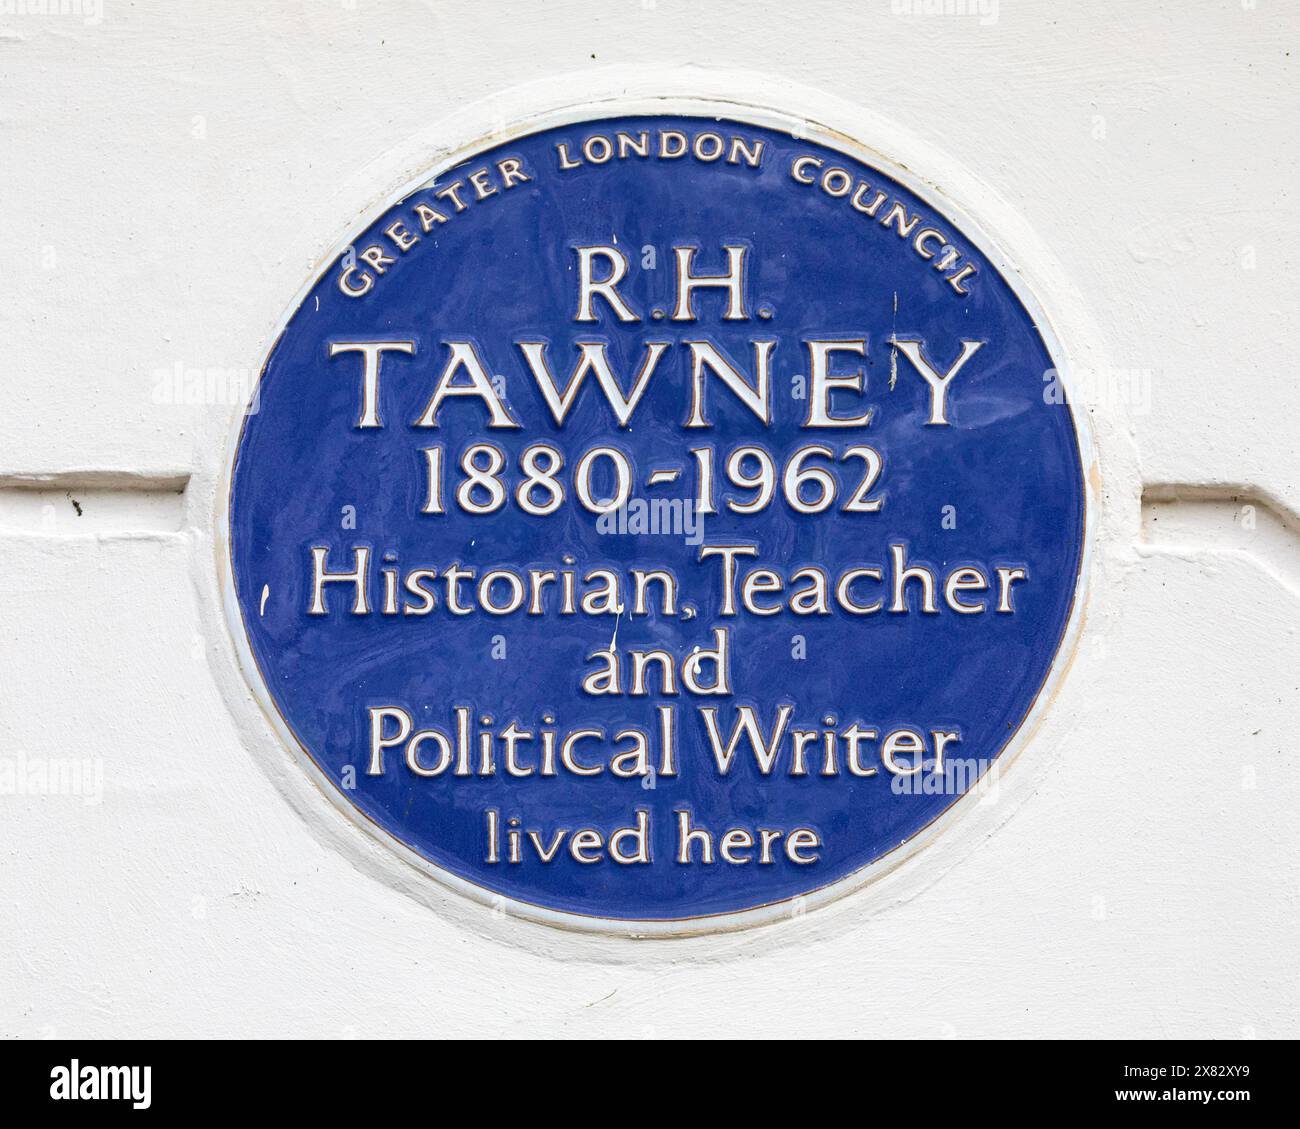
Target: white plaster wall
(171, 173)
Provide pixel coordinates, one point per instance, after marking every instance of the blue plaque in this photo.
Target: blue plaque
(656, 521)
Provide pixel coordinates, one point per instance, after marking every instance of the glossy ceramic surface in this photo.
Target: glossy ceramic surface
(1000, 485)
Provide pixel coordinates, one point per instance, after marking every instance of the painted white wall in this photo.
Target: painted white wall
(173, 172)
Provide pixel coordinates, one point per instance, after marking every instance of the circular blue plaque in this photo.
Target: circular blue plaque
(654, 518)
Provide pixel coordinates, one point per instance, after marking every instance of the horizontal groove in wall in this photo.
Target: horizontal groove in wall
(91, 503)
(1190, 520)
